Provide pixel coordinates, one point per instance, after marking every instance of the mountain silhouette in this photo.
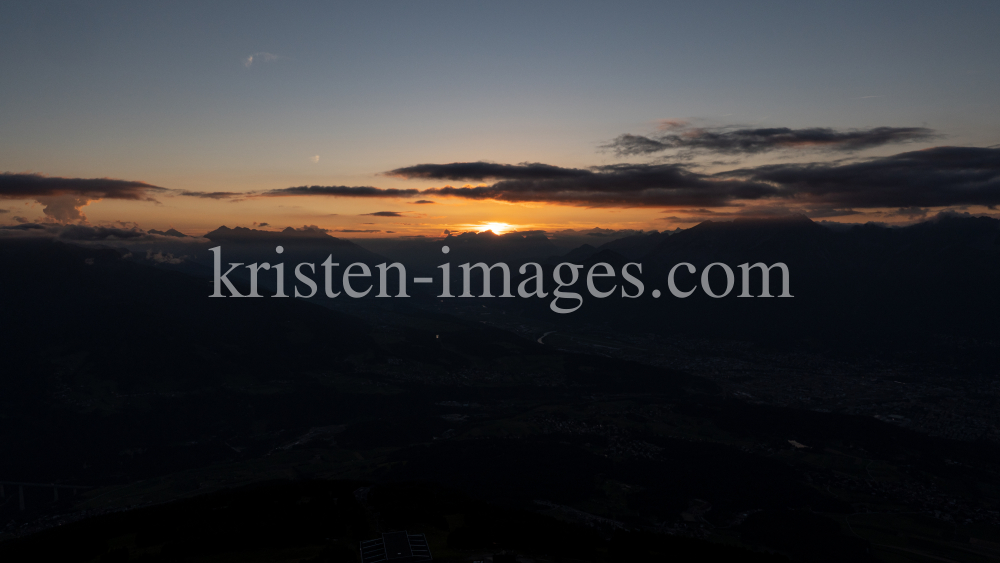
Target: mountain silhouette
(168, 233)
(127, 374)
(871, 285)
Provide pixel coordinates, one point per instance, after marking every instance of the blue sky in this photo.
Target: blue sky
(161, 93)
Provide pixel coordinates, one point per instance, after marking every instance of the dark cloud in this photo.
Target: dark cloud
(64, 197)
(23, 227)
(8, 211)
(343, 191)
(826, 212)
(213, 195)
(264, 225)
(630, 145)
(358, 231)
(30, 186)
(422, 201)
(385, 214)
(937, 177)
(685, 219)
(728, 140)
(479, 171)
(621, 185)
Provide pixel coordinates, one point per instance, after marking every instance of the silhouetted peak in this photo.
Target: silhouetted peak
(783, 223)
(963, 220)
(780, 220)
(472, 235)
(168, 233)
(241, 234)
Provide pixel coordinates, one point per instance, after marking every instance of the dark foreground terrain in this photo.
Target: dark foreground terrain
(277, 430)
(323, 521)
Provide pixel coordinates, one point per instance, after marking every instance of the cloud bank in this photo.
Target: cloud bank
(913, 181)
(343, 191)
(727, 140)
(479, 171)
(63, 198)
(213, 195)
(936, 177)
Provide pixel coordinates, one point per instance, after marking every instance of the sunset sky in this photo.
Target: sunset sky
(642, 115)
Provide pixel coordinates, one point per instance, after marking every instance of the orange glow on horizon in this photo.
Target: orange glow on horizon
(359, 217)
(497, 228)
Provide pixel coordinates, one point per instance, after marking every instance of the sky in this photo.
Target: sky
(503, 115)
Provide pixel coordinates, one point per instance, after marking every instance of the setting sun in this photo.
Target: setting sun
(497, 228)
